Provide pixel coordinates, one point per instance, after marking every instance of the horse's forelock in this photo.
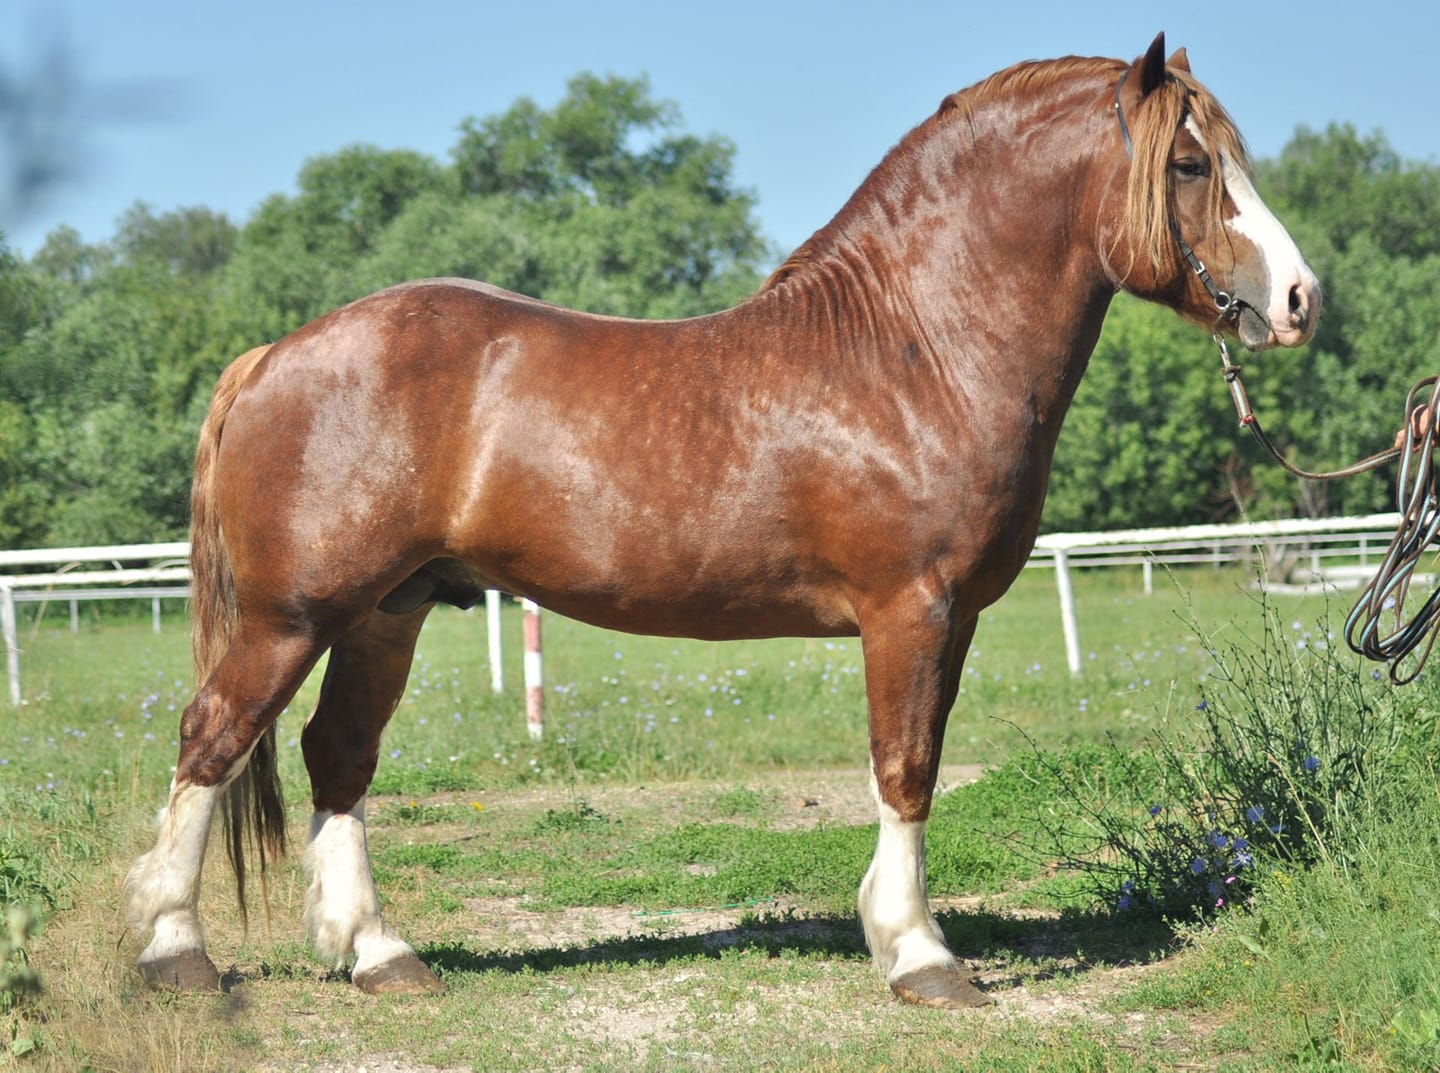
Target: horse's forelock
(1153, 127)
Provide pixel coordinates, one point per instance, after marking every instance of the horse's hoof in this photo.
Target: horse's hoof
(941, 986)
(406, 975)
(190, 971)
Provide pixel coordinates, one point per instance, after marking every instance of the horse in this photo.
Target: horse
(861, 447)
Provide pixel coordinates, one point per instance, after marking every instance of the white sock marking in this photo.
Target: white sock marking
(163, 887)
(342, 913)
(894, 905)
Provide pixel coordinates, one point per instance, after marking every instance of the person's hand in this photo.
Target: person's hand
(1419, 425)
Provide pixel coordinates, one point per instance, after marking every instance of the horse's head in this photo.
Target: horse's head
(1192, 232)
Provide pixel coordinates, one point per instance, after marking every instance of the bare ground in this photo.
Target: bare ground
(651, 1019)
(657, 1018)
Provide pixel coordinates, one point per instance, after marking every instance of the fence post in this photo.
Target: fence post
(492, 627)
(1067, 610)
(534, 671)
(12, 641)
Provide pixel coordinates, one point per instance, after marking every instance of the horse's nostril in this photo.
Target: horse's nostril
(1299, 311)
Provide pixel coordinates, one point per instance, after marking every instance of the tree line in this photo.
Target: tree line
(108, 352)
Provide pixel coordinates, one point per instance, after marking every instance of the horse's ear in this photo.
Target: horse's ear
(1179, 61)
(1152, 67)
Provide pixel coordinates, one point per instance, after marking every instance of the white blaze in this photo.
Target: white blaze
(1285, 268)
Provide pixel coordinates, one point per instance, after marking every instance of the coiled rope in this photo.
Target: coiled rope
(1383, 601)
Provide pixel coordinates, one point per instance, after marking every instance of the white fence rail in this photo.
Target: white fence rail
(1319, 539)
(165, 574)
(160, 571)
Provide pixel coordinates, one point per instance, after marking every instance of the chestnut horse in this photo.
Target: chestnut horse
(861, 447)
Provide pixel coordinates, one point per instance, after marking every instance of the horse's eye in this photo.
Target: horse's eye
(1191, 167)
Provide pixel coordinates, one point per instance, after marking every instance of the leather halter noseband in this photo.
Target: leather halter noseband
(1225, 304)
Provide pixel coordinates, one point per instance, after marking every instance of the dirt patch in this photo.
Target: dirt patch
(507, 924)
(783, 800)
(653, 1016)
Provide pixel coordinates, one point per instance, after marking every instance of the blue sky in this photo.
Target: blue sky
(237, 96)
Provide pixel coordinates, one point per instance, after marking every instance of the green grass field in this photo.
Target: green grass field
(667, 880)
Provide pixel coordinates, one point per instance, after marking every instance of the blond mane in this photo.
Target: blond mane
(1152, 131)
(1152, 126)
(1151, 188)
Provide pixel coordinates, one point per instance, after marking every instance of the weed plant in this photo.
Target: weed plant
(1287, 753)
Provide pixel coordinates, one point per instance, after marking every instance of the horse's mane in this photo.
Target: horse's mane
(1152, 131)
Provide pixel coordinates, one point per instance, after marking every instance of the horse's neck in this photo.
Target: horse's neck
(986, 258)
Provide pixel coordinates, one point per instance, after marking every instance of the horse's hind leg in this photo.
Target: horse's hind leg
(364, 680)
(913, 657)
(219, 729)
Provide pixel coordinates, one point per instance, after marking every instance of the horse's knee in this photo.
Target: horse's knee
(903, 781)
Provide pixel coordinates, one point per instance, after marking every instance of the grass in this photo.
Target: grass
(107, 701)
(648, 889)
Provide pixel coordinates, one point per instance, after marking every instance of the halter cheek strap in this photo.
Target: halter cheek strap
(1225, 304)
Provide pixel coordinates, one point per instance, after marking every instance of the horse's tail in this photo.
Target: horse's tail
(253, 808)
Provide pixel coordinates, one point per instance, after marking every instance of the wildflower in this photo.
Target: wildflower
(1154, 810)
(1203, 706)
(1255, 813)
(1311, 764)
(1198, 865)
(1218, 840)
(1123, 902)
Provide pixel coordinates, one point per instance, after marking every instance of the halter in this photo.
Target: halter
(1226, 305)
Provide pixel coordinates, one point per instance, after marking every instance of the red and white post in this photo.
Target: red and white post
(534, 671)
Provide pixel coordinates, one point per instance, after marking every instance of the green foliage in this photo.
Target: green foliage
(1328, 966)
(1147, 440)
(1288, 755)
(108, 353)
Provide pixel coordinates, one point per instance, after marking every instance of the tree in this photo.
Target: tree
(623, 213)
(188, 242)
(108, 353)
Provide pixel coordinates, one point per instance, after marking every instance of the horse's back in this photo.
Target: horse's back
(602, 464)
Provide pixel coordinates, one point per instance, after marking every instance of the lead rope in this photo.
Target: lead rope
(1384, 598)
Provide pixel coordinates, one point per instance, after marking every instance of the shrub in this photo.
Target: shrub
(1287, 745)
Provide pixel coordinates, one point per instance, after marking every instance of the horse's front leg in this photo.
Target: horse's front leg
(914, 651)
